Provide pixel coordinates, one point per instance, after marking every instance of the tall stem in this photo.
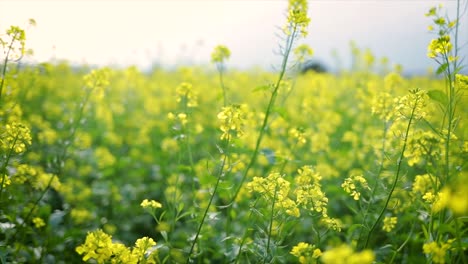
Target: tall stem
(271, 103)
(397, 176)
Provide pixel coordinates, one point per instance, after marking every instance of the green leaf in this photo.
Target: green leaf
(442, 68)
(438, 96)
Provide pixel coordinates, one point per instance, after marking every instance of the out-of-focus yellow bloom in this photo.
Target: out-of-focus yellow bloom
(345, 254)
(389, 223)
(220, 54)
(38, 222)
(437, 251)
(152, 204)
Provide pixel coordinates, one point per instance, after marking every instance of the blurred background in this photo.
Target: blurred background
(167, 33)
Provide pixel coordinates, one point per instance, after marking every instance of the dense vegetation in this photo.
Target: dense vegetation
(200, 166)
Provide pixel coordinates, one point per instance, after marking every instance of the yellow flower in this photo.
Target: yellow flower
(220, 54)
(151, 204)
(389, 223)
(142, 246)
(349, 185)
(439, 46)
(437, 251)
(38, 222)
(233, 120)
(98, 246)
(345, 254)
(16, 137)
(297, 17)
(187, 95)
(305, 252)
(303, 51)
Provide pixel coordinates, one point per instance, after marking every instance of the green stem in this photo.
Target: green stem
(459, 241)
(271, 103)
(376, 182)
(397, 176)
(270, 227)
(5, 62)
(219, 176)
(219, 67)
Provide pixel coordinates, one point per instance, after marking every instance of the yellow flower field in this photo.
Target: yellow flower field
(217, 165)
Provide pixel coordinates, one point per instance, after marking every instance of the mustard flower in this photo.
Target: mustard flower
(187, 95)
(437, 251)
(123, 254)
(297, 17)
(299, 134)
(461, 81)
(345, 254)
(43, 179)
(424, 183)
(232, 121)
(382, 106)
(389, 223)
(81, 216)
(97, 246)
(17, 42)
(15, 137)
(275, 188)
(6, 180)
(104, 157)
(150, 204)
(220, 54)
(439, 47)
(413, 104)
(332, 223)
(302, 52)
(350, 185)
(306, 253)
(308, 191)
(38, 222)
(458, 201)
(142, 247)
(423, 145)
(97, 80)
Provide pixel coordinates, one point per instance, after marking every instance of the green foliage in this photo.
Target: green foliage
(120, 166)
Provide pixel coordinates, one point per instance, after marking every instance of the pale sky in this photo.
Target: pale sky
(172, 32)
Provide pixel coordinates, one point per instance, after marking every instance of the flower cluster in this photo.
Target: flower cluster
(440, 46)
(233, 119)
(424, 145)
(100, 247)
(437, 251)
(16, 43)
(150, 204)
(15, 137)
(411, 105)
(349, 185)
(382, 106)
(309, 195)
(302, 52)
(389, 223)
(345, 254)
(306, 253)
(186, 95)
(220, 54)
(299, 134)
(297, 17)
(97, 80)
(274, 188)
